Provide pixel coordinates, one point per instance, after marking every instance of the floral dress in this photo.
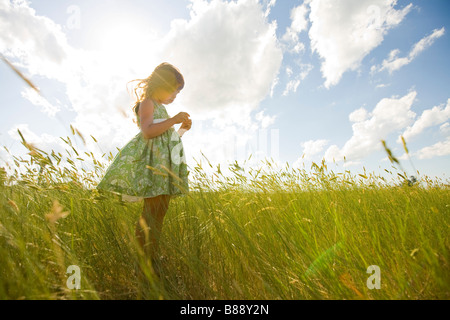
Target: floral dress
(146, 168)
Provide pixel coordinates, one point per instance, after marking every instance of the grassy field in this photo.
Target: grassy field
(289, 234)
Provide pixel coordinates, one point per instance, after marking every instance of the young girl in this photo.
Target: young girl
(152, 165)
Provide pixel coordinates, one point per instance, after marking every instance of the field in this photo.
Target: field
(289, 234)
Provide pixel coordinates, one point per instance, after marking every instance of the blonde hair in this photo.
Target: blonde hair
(165, 77)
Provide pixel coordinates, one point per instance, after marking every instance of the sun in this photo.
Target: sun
(119, 38)
(116, 36)
(126, 44)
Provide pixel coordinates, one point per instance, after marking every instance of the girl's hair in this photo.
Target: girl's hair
(165, 77)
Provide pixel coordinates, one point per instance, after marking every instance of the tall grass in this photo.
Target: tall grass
(262, 234)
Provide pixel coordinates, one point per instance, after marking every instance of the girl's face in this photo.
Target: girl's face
(167, 97)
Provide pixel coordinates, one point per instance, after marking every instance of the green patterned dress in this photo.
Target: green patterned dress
(146, 168)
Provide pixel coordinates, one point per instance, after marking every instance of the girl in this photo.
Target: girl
(152, 165)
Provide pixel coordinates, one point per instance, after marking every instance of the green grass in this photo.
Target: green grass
(287, 234)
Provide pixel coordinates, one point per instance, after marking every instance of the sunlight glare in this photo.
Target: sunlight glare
(128, 44)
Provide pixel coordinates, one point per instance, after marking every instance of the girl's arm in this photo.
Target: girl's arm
(148, 128)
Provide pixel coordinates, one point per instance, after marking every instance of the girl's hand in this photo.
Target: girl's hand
(181, 117)
(186, 124)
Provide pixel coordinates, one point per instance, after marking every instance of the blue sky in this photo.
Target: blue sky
(297, 81)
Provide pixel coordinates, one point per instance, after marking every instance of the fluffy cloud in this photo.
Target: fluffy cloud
(393, 62)
(429, 118)
(38, 100)
(44, 141)
(264, 119)
(445, 128)
(358, 115)
(37, 41)
(344, 32)
(441, 148)
(229, 56)
(313, 147)
(382, 85)
(389, 116)
(299, 18)
(269, 5)
(293, 84)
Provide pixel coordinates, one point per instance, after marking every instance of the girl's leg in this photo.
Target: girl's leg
(155, 221)
(149, 226)
(158, 220)
(142, 226)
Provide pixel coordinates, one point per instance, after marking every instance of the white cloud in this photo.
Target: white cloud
(438, 149)
(37, 41)
(313, 147)
(351, 164)
(269, 5)
(393, 62)
(289, 71)
(274, 84)
(344, 32)
(429, 118)
(333, 153)
(293, 84)
(38, 100)
(445, 128)
(426, 42)
(299, 18)
(45, 141)
(229, 56)
(358, 115)
(389, 116)
(264, 119)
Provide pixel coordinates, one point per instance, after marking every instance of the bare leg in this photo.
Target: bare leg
(142, 228)
(158, 220)
(149, 226)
